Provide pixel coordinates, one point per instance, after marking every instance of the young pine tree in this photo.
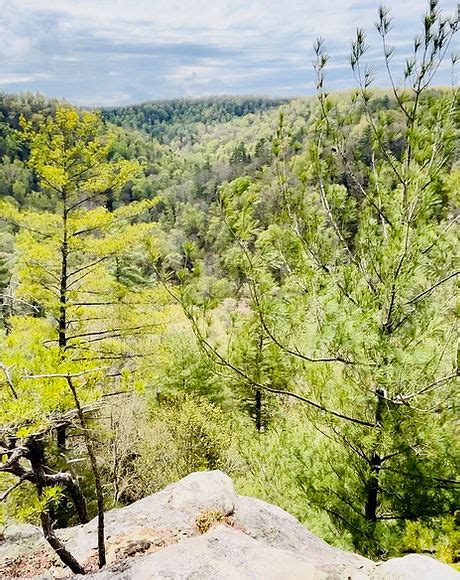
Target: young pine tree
(355, 281)
(67, 264)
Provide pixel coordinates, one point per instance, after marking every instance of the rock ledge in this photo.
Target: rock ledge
(200, 528)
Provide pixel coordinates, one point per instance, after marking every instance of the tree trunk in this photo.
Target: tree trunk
(62, 328)
(258, 410)
(97, 479)
(61, 433)
(373, 486)
(109, 201)
(60, 549)
(6, 314)
(373, 489)
(36, 458)
(73, 489)
(62, 323)
(258, 376)
(34, 452)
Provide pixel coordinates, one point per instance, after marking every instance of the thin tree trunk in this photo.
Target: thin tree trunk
(97, 479)
(373, 489)
(78, 499)
(258, 410)
(36, 458)
(72, 488)
(60, 549)
(62, 323)
(61, 437)
(258, 393)
(6, 314)
(373, 484)
(62, 328)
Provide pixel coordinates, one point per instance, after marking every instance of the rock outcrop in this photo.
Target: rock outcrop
(200, 528)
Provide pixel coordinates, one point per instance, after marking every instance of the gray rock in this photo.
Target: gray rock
(416, 567)
(222, 553)
(21, 539)
(22, 533)
(168, 514)
(274, 526)
(159, 537)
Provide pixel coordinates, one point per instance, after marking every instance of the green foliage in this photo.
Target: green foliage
(20, 503)
(180, 120)
(156, 441)
(50, 499)
(62, 264)
(441, 536)
(181, 367)
(5, 277)
(268, 286)
(200, 430)
(350, 286)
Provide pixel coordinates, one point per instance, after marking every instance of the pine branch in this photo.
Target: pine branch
(296, 352)
(431, 288)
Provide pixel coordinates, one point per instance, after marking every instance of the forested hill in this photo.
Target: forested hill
(187, 148)
(265, 287)
(271, 294)
(177, 118)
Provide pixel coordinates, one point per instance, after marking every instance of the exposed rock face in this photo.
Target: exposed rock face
(272, 525)
(417, 567)
(223, 553)
(200, 528)
(165, 517)
(19, 539)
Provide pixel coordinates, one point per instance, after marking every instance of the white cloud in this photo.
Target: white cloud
(137, 49)
(16, 78)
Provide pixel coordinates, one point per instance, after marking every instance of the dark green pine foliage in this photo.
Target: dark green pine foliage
(240, 155)
(179, 119)
(128, 273)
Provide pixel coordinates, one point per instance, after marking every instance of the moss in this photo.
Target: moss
(207, 519)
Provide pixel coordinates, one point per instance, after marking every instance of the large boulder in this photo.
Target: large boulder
(272, 525)
(20, 537)
(416, 567)
(200, 528)
(23, 551)
(161, 518)
(223, 553)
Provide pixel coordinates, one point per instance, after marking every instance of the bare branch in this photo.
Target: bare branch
(404, 398)
(20, 301)
(9, 379)
(7, 492)
(429, 290)
(65, 375)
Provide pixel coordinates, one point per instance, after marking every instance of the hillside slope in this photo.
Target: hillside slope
(247, 315)
(165, 120)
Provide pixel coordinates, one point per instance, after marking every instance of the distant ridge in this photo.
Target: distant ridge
(152, 117)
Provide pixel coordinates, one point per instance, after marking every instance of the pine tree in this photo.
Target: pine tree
(63, 264)
(354, 281)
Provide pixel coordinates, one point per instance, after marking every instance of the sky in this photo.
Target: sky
(116, 52)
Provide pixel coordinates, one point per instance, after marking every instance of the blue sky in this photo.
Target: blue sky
(111, 52)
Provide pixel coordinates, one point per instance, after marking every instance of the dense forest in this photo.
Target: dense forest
(262, 286)
(181, 119)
